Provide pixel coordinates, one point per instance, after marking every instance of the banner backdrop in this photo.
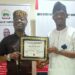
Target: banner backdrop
(44, 21)
(6, 17)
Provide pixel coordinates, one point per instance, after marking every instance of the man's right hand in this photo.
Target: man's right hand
(41, 64)
(14, 55)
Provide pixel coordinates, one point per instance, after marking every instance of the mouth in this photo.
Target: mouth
(59, 21)
(19, 24)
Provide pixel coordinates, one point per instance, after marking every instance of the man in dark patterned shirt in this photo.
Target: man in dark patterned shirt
(10, 47)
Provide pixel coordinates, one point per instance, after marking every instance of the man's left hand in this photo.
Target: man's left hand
(52, 50)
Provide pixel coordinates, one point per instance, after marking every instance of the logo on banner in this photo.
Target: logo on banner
(5, 14)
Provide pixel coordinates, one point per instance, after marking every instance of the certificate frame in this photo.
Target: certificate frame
(34, 48)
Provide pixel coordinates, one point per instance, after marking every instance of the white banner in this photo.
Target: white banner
(6, 17)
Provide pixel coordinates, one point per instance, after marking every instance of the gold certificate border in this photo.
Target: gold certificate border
(30, 38)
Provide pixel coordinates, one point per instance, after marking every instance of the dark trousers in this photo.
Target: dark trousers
(22, 69)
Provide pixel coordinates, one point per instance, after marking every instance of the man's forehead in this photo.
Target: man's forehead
(20, 17)
(60, 11)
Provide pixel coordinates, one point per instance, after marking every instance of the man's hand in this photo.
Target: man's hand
(41, 64)
(52, 50)
(14, 55)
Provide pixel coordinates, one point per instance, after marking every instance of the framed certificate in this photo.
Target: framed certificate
(34, 48)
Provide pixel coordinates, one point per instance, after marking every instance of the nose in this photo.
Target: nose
(59, 16)
(19, 20)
